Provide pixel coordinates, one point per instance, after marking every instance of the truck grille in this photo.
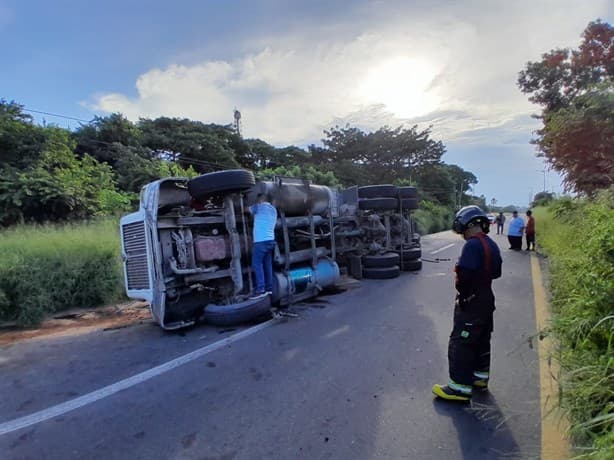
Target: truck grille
(135, 247)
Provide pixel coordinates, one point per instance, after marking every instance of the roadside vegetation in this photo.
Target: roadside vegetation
(578, 238)
(575, 90)
(432, 218)
(48, 268)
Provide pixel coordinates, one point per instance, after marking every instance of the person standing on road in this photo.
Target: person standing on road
(265, 218)
(469, 344)
(514, 232)
(500, 220)
(530, 231)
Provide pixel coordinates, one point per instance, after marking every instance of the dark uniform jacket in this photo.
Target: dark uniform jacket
(479, 263)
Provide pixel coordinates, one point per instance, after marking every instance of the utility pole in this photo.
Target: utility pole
(543, 171)
(530, 197)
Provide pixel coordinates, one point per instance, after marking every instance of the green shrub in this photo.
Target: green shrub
(45, 269)
(578, 237)
(432, 218)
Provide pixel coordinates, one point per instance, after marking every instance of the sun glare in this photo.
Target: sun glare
(401, 85)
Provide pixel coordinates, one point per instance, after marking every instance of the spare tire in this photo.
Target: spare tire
(228, 181)
(378, 191)
(408, 192)
(389, 259)
(381, 273)
(237, 313)
(378, 204)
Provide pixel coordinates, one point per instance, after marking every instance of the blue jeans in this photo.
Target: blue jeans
(262, 263)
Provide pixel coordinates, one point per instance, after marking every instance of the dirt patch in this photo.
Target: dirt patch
(81, 321)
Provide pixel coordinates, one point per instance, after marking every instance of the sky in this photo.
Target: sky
(296, 68)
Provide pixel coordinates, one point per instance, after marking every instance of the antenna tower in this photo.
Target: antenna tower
(237, 122)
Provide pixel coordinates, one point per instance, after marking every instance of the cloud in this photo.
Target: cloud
(434, 63)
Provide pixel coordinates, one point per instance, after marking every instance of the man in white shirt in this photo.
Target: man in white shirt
(265, 217)
(514, 232)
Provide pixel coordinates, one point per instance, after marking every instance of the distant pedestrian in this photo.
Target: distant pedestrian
(265, 218)
(514, 232)
(500, 220)
(530, 231)
(469, 344)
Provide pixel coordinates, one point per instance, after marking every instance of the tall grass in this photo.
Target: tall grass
(45, 269)
(432, 218)
(578, 237)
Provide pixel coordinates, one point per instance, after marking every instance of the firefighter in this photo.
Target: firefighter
(469, 344)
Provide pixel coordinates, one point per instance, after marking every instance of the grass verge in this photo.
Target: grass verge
(578, 238)
(45, 269)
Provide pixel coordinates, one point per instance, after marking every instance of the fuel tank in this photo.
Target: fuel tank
(304, 282)
(294, 198)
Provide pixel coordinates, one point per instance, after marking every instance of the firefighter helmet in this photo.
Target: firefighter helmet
(468, 217)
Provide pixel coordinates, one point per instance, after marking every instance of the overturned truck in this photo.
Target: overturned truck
(187, 250)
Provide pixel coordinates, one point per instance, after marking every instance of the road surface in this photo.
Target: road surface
(349, 377)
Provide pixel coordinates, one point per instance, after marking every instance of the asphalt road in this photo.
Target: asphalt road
(349, 377)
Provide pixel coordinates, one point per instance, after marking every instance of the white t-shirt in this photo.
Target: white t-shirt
(265, 218)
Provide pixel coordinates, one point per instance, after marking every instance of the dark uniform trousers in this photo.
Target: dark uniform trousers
(469, 345)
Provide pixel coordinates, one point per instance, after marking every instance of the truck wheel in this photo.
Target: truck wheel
(378, 191)
(378, 204)
(408, 192)
(237, 313)
(381, 273)
(409, 203)
(410, 254)
(412, 265)
(390, 259)
(231, 180)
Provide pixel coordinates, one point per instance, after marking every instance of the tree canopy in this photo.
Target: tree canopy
(383, 156)
(576, 91)
(49, 173)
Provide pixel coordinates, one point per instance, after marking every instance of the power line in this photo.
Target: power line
(56, 115)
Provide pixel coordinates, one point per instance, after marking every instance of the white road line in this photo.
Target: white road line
(54, 411)
(443, 249)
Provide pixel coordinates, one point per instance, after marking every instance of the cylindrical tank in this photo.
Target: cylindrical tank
(305, 282)
(294, 199)
(301, 255)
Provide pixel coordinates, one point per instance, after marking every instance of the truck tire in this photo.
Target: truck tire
(409, 203)
(242, 312)
(390, 259)
(408, 192)
(412, 265)
(378, 191)
(378, 204)
(381, 273)
(231, 180)
(410, 254)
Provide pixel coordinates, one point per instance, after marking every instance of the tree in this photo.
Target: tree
(542, 199)
(59, 186)
(575, 89)
(301, 172)
(579, 140)
(205, 147)
(386, 155)
(445, 184)
(21, 141)
(102, 138)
